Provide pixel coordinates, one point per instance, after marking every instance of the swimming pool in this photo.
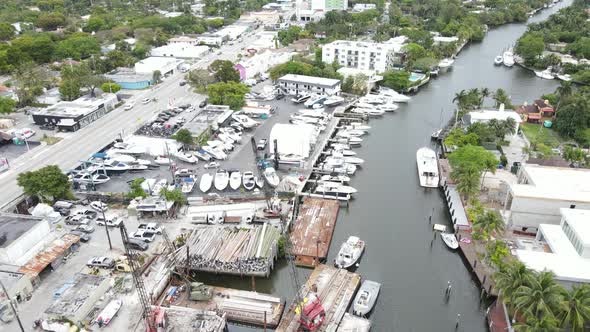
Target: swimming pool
(415, 77)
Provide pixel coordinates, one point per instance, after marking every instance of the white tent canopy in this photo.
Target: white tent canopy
(292, 139)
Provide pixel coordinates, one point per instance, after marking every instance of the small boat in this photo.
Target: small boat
(366, 297)
(498, 60)
(351, 133)
(259, 181)
(99, 206)
(358, 126)
(186, 157)
(202, 155)
(508, 59)
(338, 160)
(206, 182)
(183, 173)
(352, 141)
(298, 99)
(335, 178)
(347, 153)
(333, 101)
(434, 71)
(212, 164)
(371, 99)
(248, 180)
(142, 162)
(221, 179)
(160, 160)
(368, 111)
(214, 152)
(546, 74)
(315, 100)
(187, 185)
(388, 107)
(342, 169)
(137, 167)
(427, 167)
(450, 240)
(334, 188)
(340, 146)
(565, 77)
(446, 63)
(350, 252)
(436, 134)
(235, 180)
(108, 313)
(87, 177)
(393, 95)
(158, 186)
(124, 158)
(112, 166)
(271, 177)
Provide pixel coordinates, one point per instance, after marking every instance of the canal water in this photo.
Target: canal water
(391, 211)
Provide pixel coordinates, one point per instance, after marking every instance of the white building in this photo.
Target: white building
(262, 62)
(263, 39)
(210, 39)
(165, 65)
(327, 5)
(361, 7)
(484, 116)
(183, 40)
(438, 40)
(295, 84)
(21, 235)
(180, 50)
(360, 55)
(541, 191)
(232, 32)
(563, 249)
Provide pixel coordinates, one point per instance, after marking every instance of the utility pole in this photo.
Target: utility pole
(12, 307)
(106, 227)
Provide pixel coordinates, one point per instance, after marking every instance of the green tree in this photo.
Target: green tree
(289, 35)
(540, 296)
(224, 71)
(77, 46)
(37, 47)
(574, 155)
(228, 93)
(200, 79)
(6, 31)
(489, 223)
(156, 76)
(348, 84)
(135, 189)
(458, 138)
(530, 47)
(572, 117)
(110, 87)
(501, 97)
(50, 21)
(69, 89)
(414, 52)
(468, 163)
(510, 277)
(48, 183)
(484, 132)
(30, 81)
(184, 136)
(175, 196)
(398, 80)
(575, 312)
(7, 105)
(545, 324)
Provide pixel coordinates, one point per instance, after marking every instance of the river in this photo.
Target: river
(391, 211)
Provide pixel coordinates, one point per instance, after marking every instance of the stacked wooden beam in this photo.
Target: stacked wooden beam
(247, 251)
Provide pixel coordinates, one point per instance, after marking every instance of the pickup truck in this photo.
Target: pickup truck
(145, 236)
(103, 262)
(77, 219)
(152, 227)
(110, 221)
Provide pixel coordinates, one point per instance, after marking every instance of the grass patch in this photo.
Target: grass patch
(50, 140)
(536, 133)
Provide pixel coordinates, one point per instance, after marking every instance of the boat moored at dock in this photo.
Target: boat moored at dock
(427, 167)
(350, 252)
(365, 298)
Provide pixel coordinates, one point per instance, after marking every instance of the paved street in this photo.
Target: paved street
(83, 143)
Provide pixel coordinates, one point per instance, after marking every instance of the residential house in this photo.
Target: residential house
(535, 112)
(485, 116)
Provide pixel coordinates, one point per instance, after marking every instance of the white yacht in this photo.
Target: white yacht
(245, 121)
(215, 153)
(334, 188)
(393, 95)
(298, 99)
(201, 154)
(271, 177)
(350, 252)
(446, 63)
(333, 101)
(315, 100)
(498, 60)
(508, 58)
(161, 160)
(565, 77)
(221, 179)
(388, 107)
(248, 180)
(427, 167)
(88, 177)
(369, 111)
(206, 182)
(335, 178)
(186, 157)
(187, 184)
(235, 180)
(546, 74)
(112, 165)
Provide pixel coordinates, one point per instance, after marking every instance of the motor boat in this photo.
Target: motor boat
(142, 162)
(271, 177)
(368, 111)
(88, 177)
(335, 178)
(113, 166)
(350, 252)
(498, 60)
(291, 159)
(427, 167)
(212, 164)
(99, 206)
(201, 154)
(161, 160)
(366, 297)
(393, 95)
(357, 126)
(315, 100)
(248, 180)
(342, 169)
(347, 159)
(352, 141)
(565, 77)
(245, 121)
(124, 148)
(351, 133)
(546, 74)
(234, 136)
(508, 59)
(187, 184)
(334, 188)
(124, 158)
(388, 107)
(313, 113)
(333, 101)
(259, 181)
(109, 312)
(436, 134)
(186, 157)
(446, 63)
(450, 240)
(371, 99)
(214, 152)
(221, 179)
(137, 167)
(235, 180)
(298, 99)
(226, 139)
(158, 186)
(340, 146)
(364, 105)
(206, 182)
(347, 153)
(220, 145)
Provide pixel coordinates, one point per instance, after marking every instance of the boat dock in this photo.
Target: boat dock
(452, 196)
(243, 307)
(313, 230)
(469, 253)
(351, 323)
(335, 288)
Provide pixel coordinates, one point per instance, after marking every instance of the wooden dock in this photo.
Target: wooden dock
(482, 272)
(335, 289)
(313, 230)
(351, 323)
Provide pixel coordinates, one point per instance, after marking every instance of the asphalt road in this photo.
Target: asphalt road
(83, 143)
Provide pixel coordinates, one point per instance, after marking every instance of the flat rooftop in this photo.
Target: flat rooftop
(579, 221)
(12, 226)
(329, 82)
(75, 296)
(361, 44)
(558, 183)
(565, 267)
(78, 107)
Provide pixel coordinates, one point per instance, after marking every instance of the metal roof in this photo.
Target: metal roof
(48, 255)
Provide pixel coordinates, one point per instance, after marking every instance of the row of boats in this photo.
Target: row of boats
(508, 59)
(223, 179)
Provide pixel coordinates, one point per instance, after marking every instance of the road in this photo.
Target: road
(81, 144)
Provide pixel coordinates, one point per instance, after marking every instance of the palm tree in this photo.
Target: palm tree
(502, 98)
(510, 277)
(564, 90)
(540, 296)
(460, 98)
(509, 126)
(490, 222)
(575, 312)
(545, 324)
(467, 182)
(484, 93)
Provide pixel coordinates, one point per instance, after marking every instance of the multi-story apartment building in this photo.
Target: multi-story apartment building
(296, 84)
(360, 55)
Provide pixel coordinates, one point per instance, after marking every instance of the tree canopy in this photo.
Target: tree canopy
(227, 93)
(48, 183)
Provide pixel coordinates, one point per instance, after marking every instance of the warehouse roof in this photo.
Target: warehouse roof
(54, 251)
(77, 292)
(310, 80)
(12, 226)
(81, 106)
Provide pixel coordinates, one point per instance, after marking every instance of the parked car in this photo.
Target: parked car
(261, 144)
(280, 96)
(83, 236)
(128, 106)
(203, 103)
(184, 106)
(99, 206)
(137, 244)
(145, 236)
(77, 220)
(212, 164)
(102, 262)
(84, 228)
(63, 205)
(145, 100)
(182, 83)
(110, 221)
(90, 214)
(152, 227)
